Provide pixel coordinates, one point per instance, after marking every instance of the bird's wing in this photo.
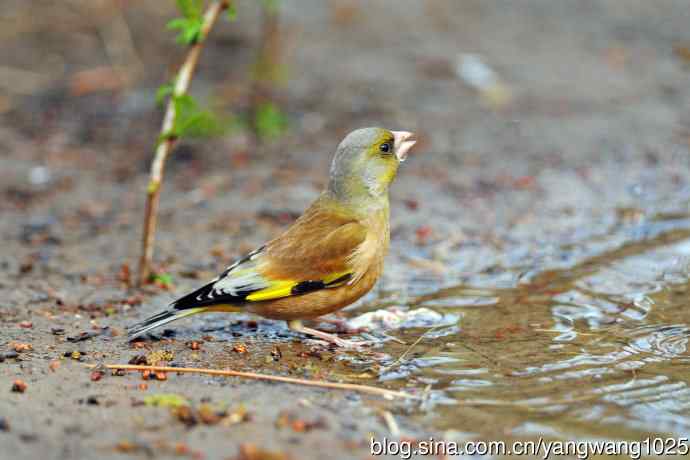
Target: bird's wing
(313, 254)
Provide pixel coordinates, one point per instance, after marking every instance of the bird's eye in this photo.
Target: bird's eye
(385, 148)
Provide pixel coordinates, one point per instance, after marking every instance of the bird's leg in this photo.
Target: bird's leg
(297, 326)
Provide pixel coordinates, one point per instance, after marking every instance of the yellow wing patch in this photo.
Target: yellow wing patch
(285, 288)
(278, 289)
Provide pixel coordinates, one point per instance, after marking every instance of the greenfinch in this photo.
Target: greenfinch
(327, 259)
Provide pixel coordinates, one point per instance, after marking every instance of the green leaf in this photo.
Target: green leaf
(165, 279)
(193, 122)
(231, 12)
(271, 5)
(163, 92)
(190, 8)
(166, 400)
(162, 137)
(184, 103)
(269, 121)
(201, 124)
(190, 29)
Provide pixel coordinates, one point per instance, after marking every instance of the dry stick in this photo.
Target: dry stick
(184, 77)
(393, 427)
(416, 342)
(252, 375)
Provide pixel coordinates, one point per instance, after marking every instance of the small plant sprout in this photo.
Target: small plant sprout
(183, 115)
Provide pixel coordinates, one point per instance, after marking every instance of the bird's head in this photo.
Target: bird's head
(366, 163)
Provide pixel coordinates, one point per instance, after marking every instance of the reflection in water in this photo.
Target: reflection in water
(664, 342)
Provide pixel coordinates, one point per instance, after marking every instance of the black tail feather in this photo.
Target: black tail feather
(155, 321)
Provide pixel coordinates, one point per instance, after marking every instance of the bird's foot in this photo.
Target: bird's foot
(341, 325)
(297, 326)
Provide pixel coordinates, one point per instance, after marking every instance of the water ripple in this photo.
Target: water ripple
(663, 341)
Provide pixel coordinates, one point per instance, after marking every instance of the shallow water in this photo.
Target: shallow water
(594, 344)
(580, 341)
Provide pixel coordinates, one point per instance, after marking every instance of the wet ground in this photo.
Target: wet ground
(551, 234)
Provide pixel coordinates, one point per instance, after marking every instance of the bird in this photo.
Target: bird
(330, 256)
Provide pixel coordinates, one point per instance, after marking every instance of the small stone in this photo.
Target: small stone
(19, 386)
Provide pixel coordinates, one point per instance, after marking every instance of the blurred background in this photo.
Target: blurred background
(545, 205)
(497, 93)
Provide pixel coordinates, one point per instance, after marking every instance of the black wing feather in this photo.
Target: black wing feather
(201, 298)
(207, 295)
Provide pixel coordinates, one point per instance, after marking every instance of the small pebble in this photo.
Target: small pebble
(19, 386)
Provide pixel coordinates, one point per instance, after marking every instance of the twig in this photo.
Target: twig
(184, 77)
(393, 427)
(406, 352)
(276, 378)
(425, 398)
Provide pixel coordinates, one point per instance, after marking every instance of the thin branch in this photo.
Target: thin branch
(392, 425)
(390, 394)
(402, 357)
(184, 77)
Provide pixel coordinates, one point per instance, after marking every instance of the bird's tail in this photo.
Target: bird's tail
(160, 319)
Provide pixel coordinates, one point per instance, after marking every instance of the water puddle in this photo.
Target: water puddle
(588, 340)
(593, 344)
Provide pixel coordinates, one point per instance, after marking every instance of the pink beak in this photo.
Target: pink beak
(403, 141)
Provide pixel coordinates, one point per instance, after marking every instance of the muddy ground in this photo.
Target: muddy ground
(584, 160)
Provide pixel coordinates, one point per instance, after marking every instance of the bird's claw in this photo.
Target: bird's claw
(297, 326)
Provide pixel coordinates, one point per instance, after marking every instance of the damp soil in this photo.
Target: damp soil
(555, 230)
